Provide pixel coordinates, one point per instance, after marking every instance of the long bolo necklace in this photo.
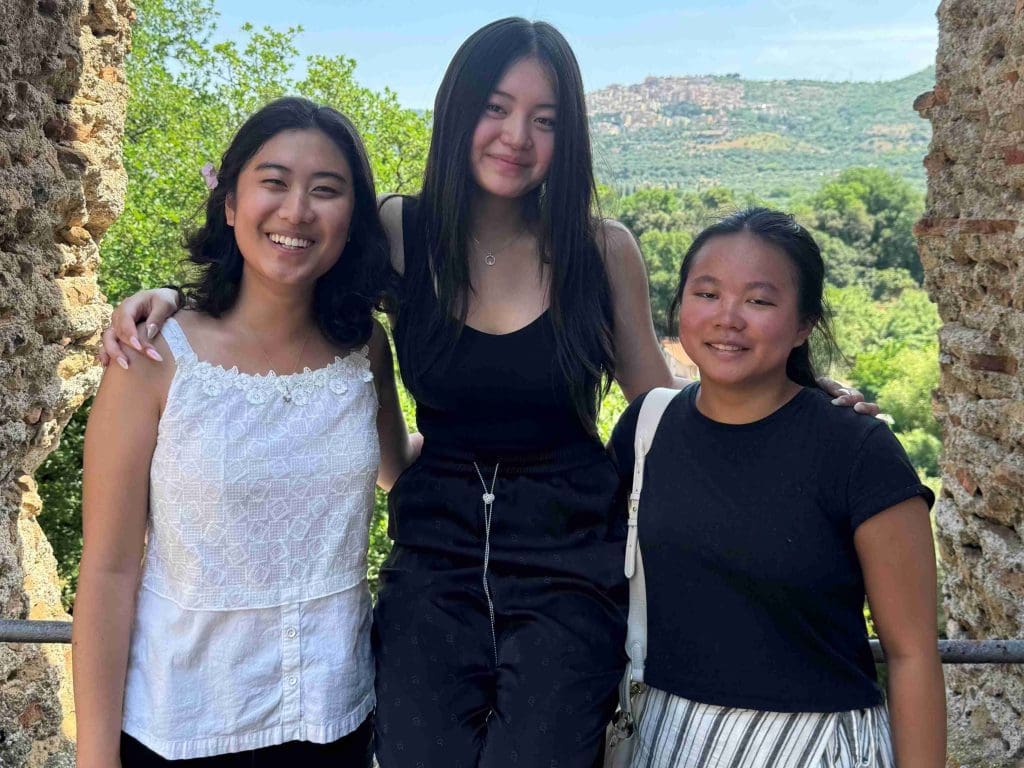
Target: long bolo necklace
(490, 255)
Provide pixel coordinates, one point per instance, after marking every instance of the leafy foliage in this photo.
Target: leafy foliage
(663, 252)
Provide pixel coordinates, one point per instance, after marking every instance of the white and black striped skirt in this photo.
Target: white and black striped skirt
(679, 733)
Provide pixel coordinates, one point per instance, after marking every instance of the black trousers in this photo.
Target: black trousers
(354, 750)
(522, 671)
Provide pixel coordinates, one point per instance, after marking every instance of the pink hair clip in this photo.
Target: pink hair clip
(209, 175)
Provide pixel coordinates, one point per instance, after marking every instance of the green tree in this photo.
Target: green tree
(663, 253)
(651, 208)
(923, 449)
(907, 396)
(874, 211)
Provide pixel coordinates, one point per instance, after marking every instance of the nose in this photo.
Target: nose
(295, 207)
(517, 133)
(730, 314)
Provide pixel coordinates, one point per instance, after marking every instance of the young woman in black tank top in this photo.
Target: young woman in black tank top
(500, 619)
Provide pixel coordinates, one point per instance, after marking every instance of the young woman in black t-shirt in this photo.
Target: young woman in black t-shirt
(766, 517)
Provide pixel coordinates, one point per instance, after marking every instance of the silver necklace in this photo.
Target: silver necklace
(491, 254)
(287, 393)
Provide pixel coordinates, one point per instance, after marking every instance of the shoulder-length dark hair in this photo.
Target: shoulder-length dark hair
(560, 209)
(359, 282)
(785, 233)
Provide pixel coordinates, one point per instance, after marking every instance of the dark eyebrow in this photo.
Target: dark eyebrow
(764, 285)
(510, 97)
(285, 169)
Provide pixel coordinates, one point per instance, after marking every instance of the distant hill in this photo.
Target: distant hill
(768, 137)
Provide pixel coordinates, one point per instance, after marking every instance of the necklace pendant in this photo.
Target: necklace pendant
(488, 498)
(489, 259)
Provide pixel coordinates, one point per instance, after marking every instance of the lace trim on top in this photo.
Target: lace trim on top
(260, 388)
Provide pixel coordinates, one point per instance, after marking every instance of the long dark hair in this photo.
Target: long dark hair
(783, 232)
(346, 295)
(560, 209)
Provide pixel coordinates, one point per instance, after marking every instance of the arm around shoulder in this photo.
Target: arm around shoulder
(397, 449)
(639, 363)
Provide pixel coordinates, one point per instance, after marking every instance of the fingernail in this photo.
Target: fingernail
(152, 330)
(123, 363)
(152, 354)
(837, 401)
(134, 341)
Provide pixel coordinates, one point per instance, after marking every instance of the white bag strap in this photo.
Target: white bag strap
(653, 407)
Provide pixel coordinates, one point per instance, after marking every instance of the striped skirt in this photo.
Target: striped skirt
(678, 733)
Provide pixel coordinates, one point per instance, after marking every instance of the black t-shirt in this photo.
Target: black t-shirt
(754, 591)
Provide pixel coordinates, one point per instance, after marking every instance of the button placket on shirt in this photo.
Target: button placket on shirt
(291, 671)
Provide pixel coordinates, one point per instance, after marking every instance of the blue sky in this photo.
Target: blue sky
(406, 44)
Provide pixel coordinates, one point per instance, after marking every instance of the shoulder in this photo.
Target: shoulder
(193, 323)
(144, 383)
(621, 254)
(850, 438)
(391, 207)
(615, 242)
(840, 421)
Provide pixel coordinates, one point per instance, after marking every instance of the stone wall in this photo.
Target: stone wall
(972, 246)
(62, 104)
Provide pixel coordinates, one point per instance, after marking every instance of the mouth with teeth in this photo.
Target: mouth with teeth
(290, 243)
(725, 347)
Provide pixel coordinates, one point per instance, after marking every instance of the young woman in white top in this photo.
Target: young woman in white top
(245, 471)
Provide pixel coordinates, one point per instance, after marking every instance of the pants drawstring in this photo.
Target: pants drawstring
(488, 499)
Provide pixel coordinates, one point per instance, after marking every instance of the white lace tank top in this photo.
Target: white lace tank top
(252, 620)
(261, 486)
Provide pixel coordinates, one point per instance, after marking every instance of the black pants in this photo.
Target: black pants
(535, 685)
(355, 750)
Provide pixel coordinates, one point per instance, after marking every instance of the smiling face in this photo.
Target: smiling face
(292, 207)
(739, 315)
(514, 139)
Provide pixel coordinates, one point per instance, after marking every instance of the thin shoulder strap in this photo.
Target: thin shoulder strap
(409, 207)
(651, 411)
(176, 340)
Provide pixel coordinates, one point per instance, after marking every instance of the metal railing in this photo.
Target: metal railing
(950, 651)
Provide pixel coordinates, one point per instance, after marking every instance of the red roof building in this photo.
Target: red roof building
(678, 361)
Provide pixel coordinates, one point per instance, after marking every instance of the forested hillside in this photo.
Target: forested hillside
(764, 137)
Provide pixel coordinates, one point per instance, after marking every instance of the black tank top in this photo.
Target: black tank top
(493, 394)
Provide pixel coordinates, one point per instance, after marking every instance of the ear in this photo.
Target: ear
(229, 210)
(804, 330)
